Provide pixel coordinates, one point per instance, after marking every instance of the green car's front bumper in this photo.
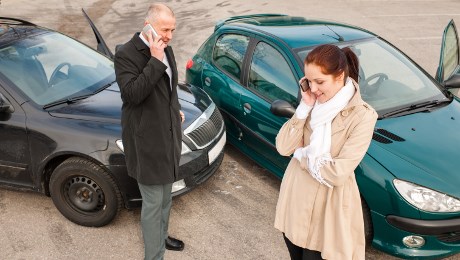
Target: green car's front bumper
(442, 237)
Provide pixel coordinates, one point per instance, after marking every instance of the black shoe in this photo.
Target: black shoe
(174, 244)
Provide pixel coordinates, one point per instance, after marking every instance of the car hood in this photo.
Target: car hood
(105, 106)
(421, 148)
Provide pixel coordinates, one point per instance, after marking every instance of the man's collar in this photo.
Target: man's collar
(137, 41)
(144, 40)
(142, 47)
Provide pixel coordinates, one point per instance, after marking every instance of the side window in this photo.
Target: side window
(271, 76)
(229, 53)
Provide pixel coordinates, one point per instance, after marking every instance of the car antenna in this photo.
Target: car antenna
(340, 38)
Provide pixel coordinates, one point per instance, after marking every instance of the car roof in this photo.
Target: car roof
(295, 31)
(12, 29)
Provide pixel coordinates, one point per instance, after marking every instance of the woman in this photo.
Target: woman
(319, 207)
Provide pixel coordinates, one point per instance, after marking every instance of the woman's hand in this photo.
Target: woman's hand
(308, 97)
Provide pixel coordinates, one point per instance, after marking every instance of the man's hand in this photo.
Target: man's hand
(182, 116)
(157, 46)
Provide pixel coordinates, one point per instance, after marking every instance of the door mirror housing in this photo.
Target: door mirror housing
(452, 82)
(5, 106)
(282, 108)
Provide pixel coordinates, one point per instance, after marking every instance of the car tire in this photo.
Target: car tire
(368, 227)
(85, 193)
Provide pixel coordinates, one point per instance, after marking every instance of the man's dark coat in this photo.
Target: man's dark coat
(150, 119)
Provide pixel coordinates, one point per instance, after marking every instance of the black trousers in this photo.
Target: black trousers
(299, 253)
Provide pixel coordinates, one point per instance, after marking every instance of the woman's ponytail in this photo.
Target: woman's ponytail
(353, 63)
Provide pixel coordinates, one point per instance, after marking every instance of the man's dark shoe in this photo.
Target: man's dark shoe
(174, 244)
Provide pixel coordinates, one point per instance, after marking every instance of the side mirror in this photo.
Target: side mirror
(452, 82)
(5, 106)
(282, 108)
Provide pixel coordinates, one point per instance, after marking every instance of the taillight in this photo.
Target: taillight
(189, 64)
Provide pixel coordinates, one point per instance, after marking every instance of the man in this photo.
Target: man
(151, 120)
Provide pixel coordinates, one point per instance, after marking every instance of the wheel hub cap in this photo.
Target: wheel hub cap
(84, 193)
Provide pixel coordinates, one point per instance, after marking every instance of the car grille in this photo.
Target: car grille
(204, 134)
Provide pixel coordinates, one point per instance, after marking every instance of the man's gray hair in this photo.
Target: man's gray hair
(156, 9)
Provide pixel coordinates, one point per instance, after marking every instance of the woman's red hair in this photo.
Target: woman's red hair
(334, 61)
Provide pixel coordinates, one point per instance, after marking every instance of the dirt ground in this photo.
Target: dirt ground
(231, 215)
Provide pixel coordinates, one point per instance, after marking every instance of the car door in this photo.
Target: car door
(221, 78)
(270, 77)
(14, 146)
(101, 45)
(450, 57)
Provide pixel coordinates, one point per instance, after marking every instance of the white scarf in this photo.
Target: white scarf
(318, 152)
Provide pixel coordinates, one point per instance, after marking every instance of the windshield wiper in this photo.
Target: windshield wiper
(70, 100)
(415, 108)
(103, 87)
(66, 101)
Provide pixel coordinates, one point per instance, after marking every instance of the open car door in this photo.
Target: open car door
(101, 45)
(448, 73)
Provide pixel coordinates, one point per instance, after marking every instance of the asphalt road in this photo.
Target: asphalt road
(231, 215)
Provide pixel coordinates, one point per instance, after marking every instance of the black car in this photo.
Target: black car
(60, 130)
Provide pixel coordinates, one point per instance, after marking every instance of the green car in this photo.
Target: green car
(409, 178)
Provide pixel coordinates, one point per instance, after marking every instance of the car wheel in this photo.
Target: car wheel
(368, 228)
(85, 193)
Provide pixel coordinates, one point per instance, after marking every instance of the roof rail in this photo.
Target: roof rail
(9, 20)
(241, 17)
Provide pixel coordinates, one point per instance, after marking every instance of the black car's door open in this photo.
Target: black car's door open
(101, 45)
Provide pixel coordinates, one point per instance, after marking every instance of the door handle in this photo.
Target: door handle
(247, 108)
(207, 81)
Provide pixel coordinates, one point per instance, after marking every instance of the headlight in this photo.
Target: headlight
(120, 145)
(426, 199)
(185, 149)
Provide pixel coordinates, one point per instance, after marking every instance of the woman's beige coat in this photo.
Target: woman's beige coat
(316, 217)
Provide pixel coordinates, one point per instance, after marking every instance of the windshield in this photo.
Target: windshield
(389, 80)
(52, 66)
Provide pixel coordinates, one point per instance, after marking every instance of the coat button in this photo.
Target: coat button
(344, 113)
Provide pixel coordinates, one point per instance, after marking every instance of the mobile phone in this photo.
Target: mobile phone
(147, 28)
(304, 85)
